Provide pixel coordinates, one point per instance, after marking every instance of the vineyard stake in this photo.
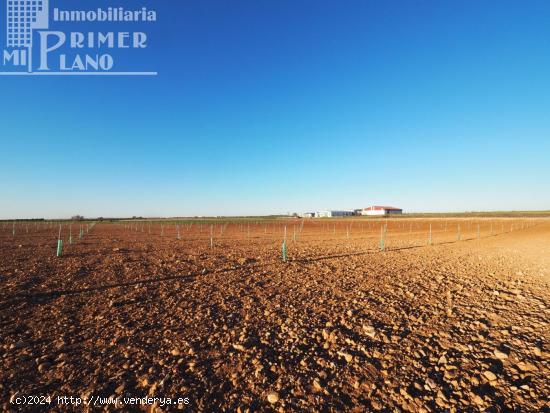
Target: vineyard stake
(284, 247)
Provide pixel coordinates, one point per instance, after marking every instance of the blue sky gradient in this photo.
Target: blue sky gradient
(274, 106)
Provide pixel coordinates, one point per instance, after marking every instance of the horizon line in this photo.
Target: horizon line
(279, 215)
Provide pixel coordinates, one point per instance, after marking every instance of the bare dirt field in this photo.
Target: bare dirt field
(208, 311)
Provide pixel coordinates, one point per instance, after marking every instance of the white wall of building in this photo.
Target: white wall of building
(331, 214)
(373, 212)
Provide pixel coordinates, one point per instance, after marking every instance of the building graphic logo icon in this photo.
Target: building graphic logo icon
(23, 16)
(82, 47)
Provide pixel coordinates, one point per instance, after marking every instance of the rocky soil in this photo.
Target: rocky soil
(459, 326)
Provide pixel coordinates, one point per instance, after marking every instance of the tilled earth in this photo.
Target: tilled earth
(458, 326)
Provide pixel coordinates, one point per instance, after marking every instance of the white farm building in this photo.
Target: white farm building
(331, 214)
(381, 210)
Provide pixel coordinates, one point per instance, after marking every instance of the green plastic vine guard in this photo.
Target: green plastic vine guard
(59, 247)
(382, 238)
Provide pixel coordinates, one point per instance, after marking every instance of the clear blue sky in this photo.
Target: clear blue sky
(274, 106)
